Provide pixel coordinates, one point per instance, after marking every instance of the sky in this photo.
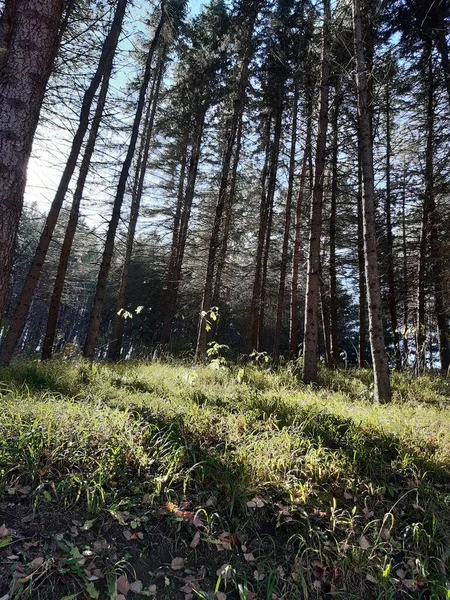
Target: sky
(50, 149)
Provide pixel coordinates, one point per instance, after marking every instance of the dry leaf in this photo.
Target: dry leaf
(224, 571)
(385, 534)
(256, 502)
(136, 587)
(37, 562)
(258, 576)
(251, 596)
(409, 583)
(401, 573)
(127, 534)
(371, 578)
(152, 588)
(364, 543)
(120, 597)
(123, 587)
(348, 496)
(195, 540)
(3, 531)
(249, 557)
(221, 596)
(177, 563)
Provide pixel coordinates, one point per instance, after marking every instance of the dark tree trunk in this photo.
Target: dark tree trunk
(294, 311)
(115, 346)
(382, 388)
(405, 276)
(362, 307)
(287, 227)
(389, 238)
(238, 109)
(26, 296)
(310, 343)
(58, 286)
(31, 38)
(334, 351)
(94, 321)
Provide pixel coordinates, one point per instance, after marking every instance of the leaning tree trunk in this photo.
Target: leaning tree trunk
(31, 44)
(214, 242)
(310, 342)
(287, 226)
(94, 321)
(29, 287)
(293, 325)
(382, 388)
(389, 237)
(115, 346)
(58, 286)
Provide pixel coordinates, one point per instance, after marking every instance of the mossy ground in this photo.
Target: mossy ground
(221, 481)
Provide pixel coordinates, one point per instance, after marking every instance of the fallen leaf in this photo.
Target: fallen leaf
(385, 534)
(256, 502)
(127, 534)
(177, 563)
(123, 587)
(348, 496)
(136, 587)
(258, 576)
(409, 583)
(249, 557)
(4, 531)
(120, 597)
(364, 543)
(37, 562)
(224, 571)
(152, 588)
(221, 596)
(371, 578)
(400, 573)
(195, 540)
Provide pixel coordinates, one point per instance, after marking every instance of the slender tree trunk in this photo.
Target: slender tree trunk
(334, 351)
(221, 261)
(382, 389)
(443, 50)
(31, 48)
(58, 286)
(263, 218)
(310, 342)
(26, 296)
(362, 307)
(115, 346)
(271, 186)
(390, 245)
(238, 108)
(169, 300)
(293, 326)
(427, 204)
(94, 321)
(287, 227)
(325, 314)
(405, 275)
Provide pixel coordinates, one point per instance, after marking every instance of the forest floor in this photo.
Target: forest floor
(221, 482)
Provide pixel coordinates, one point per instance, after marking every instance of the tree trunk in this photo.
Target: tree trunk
(238, 108)
(405, 276)
(23, 80)
(293, 326)
(443, 50)
(382, 389)
(169, 300)
(334, 351)
(58, 286)
(94, 321)
(26, 296)
(310, 342)
(115, 346)
(362, 307)
(287, 227)
(263, 218)
(389, 238)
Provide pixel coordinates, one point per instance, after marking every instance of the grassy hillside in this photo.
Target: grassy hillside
(221, 482)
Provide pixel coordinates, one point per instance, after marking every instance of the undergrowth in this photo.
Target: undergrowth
(321, 493)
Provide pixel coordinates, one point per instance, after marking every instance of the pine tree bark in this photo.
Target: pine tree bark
(389, 238)
(115, 345)
(293, 325)
(26, 296)
(94, 321)
(214, 244)
(310, 342)
(31, 47)
(382, 389)
(287, 226)
(405, 276)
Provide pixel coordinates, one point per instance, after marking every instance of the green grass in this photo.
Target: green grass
(354, 499)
